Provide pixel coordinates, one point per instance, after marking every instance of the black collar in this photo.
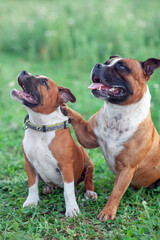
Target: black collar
(44, 128)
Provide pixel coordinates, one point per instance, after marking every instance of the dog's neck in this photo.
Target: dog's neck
(46, 119)
(137, 111)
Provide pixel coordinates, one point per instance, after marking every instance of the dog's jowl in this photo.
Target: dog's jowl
(50, 152)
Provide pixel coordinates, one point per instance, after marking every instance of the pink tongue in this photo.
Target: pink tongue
(28, 97)
(95, 85)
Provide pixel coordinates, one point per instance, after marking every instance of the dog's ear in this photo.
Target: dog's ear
(150, 65)
(66, 95)
(114, 56)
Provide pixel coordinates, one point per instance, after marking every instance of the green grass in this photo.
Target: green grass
(63, 40)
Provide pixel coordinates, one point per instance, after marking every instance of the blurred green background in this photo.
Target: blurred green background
(86, 31)
(64, 39)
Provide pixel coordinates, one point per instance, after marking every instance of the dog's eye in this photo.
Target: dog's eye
(122, 67)
(44, 82)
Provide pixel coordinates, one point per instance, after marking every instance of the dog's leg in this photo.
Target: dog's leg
(72, 208)
(88, 182)
(33, 196)
(70, 200)
(83, 129)
(122, 182)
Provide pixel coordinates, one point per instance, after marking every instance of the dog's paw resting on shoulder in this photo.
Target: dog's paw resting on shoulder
(64, 108)
(67, 111)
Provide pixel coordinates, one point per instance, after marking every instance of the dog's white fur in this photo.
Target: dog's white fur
(113, 62)
(70, 199)
(36, 147)
(33, 195)
(116, 124)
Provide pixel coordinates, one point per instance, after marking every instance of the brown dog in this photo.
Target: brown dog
(49, 149)
(123, 128)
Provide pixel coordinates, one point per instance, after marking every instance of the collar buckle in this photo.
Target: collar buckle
(44, 128)
(24, 127)
(26, 120)
(65, 124)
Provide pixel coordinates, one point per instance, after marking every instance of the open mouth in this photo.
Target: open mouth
(25, 94)
(104, 89)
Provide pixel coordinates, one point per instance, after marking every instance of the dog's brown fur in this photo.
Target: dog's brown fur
(139, 161)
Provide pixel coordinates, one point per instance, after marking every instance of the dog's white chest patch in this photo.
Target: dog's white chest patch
(116, 124)
(36, 147)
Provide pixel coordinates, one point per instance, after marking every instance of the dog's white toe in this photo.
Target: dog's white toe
(31, 202)
(71, 212)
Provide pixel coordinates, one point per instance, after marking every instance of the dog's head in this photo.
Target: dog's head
(40, 93)
(122, 80)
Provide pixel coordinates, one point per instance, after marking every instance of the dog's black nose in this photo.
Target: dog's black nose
(98, 66)
(24, 72)
(22, 75)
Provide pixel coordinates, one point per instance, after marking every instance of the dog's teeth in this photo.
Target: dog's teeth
(112, 89)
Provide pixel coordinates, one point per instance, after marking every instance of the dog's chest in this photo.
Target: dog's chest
(111, 135)
(36, 148)
(117, 124)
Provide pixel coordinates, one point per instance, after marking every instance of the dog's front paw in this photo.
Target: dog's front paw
(47, 190)
(64, 108)
(107, 213)
(67, 111)
(72, 211)
(90, 194)
(31, 201)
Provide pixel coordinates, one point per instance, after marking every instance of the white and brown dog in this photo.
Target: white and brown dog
(123, 128)
(49, 149)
